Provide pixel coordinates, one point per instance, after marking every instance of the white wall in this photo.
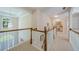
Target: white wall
(34, 19)
(39, 20)
(25, 21)
(14, 22)
(74, 40)
(50, 37)
(74, 18)
(75, 21)
(65, 28)
(74, 24)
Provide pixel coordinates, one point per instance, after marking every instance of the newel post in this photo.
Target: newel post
(31, 36)
(45, 40)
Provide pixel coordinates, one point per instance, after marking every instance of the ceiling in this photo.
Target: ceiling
(22, 10)
(48, 10)
(13, 11)
(55, 9)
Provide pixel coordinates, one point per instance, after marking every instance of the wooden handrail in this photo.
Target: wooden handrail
(74, 31)
(45, 40)
(45, 32)
(31, 36)
(6, 30)
(38, 30)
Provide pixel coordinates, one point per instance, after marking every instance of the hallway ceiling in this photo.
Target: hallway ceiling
(17, 11)
(48, 10)
(51, 11)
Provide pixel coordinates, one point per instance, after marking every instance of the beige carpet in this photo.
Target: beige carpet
(24, 47)
(61, 43)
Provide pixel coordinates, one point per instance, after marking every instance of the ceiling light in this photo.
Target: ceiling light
(56, 16)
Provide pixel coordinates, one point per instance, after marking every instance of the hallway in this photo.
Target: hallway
(61, 43)
(45, 28)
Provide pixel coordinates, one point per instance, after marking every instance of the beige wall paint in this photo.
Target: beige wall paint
(34, 19)
(40, 20)
(15, 22)
(74, 22)
(25, 21)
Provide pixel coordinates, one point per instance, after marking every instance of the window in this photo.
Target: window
(5, 22)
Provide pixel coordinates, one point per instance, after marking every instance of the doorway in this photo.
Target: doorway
(60, 28)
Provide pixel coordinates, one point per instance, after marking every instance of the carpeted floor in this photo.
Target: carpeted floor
(61, 43)
(24, 47)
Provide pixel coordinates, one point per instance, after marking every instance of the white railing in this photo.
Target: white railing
(12, 38)
(50, 38)
(74, 39)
